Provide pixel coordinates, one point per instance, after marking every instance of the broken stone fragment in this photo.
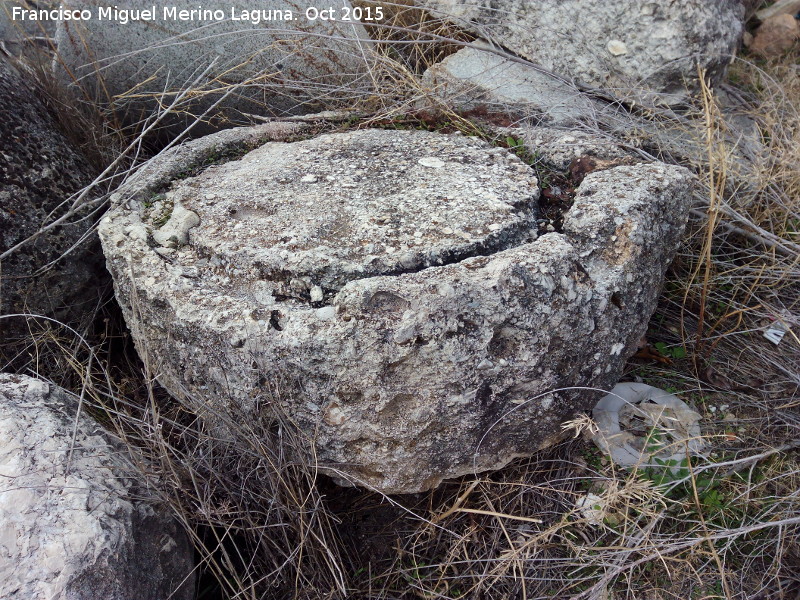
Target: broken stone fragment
(663, 42)
(781, 7)
(477, 78)
(412, 305)
(634, 415)
(57, 274)
(79, 520)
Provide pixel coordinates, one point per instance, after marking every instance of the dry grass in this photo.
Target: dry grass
(267, 525)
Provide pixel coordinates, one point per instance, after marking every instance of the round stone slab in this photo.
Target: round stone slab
(315, 214)
(261, 286)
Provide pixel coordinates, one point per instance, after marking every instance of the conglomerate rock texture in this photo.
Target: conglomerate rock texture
(77, 521)
(392, 283)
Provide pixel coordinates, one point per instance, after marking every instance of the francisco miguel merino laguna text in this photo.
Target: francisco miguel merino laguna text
(123, 16)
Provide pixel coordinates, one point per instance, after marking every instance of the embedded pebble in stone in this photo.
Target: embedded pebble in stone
(175, 232)
(309, 178)
(326, 313)
(617, 47)
(431, 162)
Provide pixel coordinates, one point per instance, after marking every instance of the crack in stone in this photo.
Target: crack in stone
(309, 217)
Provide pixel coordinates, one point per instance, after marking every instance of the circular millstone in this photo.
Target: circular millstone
(310, 216)
(407, 375)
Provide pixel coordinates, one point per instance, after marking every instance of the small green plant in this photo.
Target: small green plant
(674, 352)
(162, 219)
(515, 144)
(667, 470)
(148, 204)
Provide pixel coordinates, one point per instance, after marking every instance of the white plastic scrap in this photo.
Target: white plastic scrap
(591, 508)
(657, 410)
(776, 332)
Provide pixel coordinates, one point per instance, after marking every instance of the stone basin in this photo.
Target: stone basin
(387, 291)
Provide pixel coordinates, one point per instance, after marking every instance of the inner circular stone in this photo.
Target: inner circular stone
(318, 213)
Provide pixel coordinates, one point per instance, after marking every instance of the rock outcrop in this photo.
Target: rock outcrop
(638, 49)
(76, 519)
(39, 170)
(276, 62)
(394, 283)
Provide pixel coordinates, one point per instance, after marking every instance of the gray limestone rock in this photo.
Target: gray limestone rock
(286, 65)
(477, 77)
(75, 519)
(391, 284)
(39, 170)
(638, 49)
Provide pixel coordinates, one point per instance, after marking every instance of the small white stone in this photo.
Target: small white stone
(485, 364)
(165, 252)
(310, 178)
(405, 334)
(316, 294)
(616, 47)
(494, 227)
(431, 162)
(334, 415)
(326, 313)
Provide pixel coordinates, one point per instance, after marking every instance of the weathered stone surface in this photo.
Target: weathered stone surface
(388, 276)
(638, 49)
(776, 35)
(557, 149)
(272, 68)
(356, 205)
(478, 77)
(39, 170)
(76, 522)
